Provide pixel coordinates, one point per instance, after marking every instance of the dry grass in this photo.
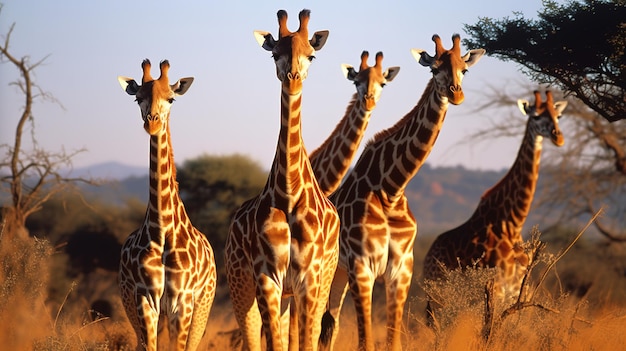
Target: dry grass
(547, 318)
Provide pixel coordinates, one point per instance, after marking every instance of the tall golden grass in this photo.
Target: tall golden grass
(547, 318)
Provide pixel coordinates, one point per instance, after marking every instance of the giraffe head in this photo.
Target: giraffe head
(293, 51)
(155, 97)
(370, 81)
(448, 67)
(544, 116)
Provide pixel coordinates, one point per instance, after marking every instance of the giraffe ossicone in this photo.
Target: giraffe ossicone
(167, 266)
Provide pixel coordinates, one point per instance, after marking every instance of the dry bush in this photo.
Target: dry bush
(23, 282)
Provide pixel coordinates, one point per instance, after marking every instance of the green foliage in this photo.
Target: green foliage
(213, 187)
(578, 46)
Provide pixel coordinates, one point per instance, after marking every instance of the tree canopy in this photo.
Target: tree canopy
(578, 46)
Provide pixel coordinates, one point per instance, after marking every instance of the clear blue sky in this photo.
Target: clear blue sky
(233, 104)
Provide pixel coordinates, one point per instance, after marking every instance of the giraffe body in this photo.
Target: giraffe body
(283, 243)
(378, 229)
(167, 266)
(492, 236)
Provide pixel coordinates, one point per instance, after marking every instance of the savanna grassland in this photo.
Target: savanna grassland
(575, 300)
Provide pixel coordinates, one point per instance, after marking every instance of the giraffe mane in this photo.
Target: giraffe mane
(383, 134)
(355, 98)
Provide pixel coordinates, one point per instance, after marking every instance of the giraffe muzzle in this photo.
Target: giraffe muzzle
(456, 95)
(152, 124)
(370, 102)
(557, 137)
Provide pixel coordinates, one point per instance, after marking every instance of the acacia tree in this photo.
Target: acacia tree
(579, 47)
(214, 186)
(576, 46)
(30, 176)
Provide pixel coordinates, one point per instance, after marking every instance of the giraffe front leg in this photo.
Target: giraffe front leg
(179, 313)
(361, 286)
(269, 300)
(397, 291)
(147, 322)
(243, 296)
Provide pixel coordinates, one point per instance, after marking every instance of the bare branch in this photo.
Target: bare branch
(33, 177)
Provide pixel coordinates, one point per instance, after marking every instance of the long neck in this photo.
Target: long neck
(291, 163)
(399, 152)
(332, 159)
(510, 199)
(164, 201)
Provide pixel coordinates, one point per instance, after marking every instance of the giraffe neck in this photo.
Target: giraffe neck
(512, 196)
(332, 159)
(400, 151)
(290, 162)
(163, 205)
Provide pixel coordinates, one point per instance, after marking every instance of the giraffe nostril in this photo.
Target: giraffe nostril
(455, 88)
(293, 76)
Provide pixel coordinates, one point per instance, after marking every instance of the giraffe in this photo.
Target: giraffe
(377, 229)
(284, 242)
(492, 236)
(332, 159)
(167, 266)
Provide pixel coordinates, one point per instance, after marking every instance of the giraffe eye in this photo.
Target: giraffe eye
(382, 85)
(171, 100)
(434, 71)
(311, 58)
(464, 71)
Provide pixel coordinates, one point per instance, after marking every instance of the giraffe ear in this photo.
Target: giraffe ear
(391, 73)
(182, 85)
(559, 106)
(422, 57)
(265, 39)
(473, 56)
(129, 85)
(523, 106)
(348, 71)
(319, 39)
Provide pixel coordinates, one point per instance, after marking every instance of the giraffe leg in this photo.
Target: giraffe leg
(147, 324)
(268, 298)
(289, 320)
(201, 311)
(330, 320)
(310, 308)
(396, 294)
(361, 289)
(179, 313)
(243, 296)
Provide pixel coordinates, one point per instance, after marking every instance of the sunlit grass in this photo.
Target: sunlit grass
(553, 318)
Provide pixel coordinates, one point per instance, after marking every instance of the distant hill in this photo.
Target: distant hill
(440, 198)
(110, 170)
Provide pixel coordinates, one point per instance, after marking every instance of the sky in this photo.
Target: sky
(233, 103)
